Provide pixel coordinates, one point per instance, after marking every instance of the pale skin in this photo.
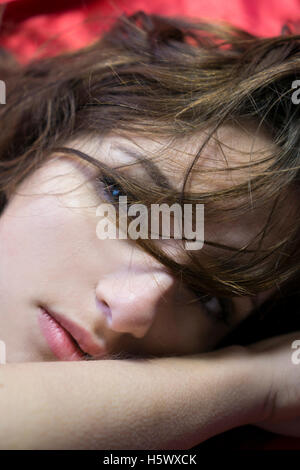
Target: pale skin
(175, 403)
(166, 403)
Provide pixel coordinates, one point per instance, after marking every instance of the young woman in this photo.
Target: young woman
(127, 343)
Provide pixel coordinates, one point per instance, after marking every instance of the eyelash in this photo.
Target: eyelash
(106, 184)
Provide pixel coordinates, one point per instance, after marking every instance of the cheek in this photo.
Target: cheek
(26, 241)
(35, 232)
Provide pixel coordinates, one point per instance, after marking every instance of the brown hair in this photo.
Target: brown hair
(152, 76)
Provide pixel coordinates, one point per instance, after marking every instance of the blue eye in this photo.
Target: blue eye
(111, 188)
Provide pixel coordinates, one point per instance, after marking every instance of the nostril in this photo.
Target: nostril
(105, 309)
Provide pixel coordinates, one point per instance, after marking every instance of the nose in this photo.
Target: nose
(130, 300)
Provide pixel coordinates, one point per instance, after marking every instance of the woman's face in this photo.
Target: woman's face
(109, 294)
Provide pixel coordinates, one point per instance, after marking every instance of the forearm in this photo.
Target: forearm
(167, 403)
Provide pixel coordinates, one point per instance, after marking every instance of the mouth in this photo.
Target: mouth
(60, 340)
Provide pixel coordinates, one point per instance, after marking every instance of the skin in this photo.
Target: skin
(174, 407)
(162, 403)
(51, 256)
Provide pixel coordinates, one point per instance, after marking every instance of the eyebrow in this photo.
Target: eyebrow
(150, 167)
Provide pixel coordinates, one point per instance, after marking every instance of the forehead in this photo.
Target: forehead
(225, 155)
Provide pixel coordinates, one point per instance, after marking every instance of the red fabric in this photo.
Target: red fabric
(62, 24)
(31, 28)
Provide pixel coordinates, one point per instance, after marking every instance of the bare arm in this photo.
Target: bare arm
(166, 403)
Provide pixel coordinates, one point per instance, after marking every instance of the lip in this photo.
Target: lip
(67, 340)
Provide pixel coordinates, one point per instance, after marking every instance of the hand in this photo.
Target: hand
(273, 359)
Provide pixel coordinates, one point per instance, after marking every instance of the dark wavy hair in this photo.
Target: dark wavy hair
(156, 76)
